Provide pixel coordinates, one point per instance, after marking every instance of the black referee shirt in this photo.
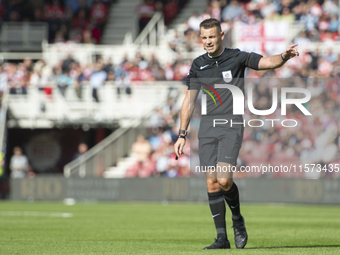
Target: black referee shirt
(227, 68)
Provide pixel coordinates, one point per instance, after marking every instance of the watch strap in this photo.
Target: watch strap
(180, 136)
(182, 132)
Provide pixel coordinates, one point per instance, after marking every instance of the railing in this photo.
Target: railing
(30, 106)
(294, 29)
(107, 152)
(37, 109)
(115, 146)
(85, 54)
(23, 36)
(153, 32)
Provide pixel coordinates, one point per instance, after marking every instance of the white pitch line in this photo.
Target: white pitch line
(35, 214)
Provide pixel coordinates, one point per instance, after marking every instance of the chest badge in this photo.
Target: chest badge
(227, 76)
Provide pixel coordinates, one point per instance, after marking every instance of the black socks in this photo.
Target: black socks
(217, 207)
(233, 201)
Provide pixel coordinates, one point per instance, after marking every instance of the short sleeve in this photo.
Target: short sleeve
(191, 75)
(250, 60)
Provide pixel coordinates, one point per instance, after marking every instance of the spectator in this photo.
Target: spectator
(170, 11)
(232, 11)
(145, 11)
(157, 119)
(18, 79)
(313, 35)
(287, 15)
(310, 20)
(64, 82)
(67, 63)
(54, 14)
(215, 10)
(73, 5)
(141, 150)
(98, 13)
(80, 78)
(87, 37)
(82, 148)
(268, 9)
(194, 22)
(175, 42)
(331, 56)
(123, 82)
(36, 79)
(302, 39)
(68, 20)
(97, 79)
(170, 112)
(109, 66)
(74, 15)
(315, 59)
(334, 23)
(18, 164)
(81, 22)
(96, 32)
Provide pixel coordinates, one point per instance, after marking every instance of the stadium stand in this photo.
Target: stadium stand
(137, 78)
(67, 20)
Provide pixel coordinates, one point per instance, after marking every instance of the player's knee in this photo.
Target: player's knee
(225, 183)
(213, 185)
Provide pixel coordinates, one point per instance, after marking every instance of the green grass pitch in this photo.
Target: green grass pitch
(155, 228)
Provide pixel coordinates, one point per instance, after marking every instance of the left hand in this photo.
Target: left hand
(290, 52)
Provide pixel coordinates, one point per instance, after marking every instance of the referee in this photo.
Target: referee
(219, 145)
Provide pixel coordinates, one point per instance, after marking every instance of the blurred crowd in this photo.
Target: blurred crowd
(315, 140)
(148, 68)
(18, 77)
(155, 155)
(320, 17)
(80, 21)
(68, 72)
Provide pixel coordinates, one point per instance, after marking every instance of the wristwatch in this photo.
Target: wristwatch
(182, 132)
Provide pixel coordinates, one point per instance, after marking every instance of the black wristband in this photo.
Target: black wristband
(182, 132)
(180, 136)
(285, 60)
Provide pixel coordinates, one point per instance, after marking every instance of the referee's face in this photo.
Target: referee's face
(212, 40)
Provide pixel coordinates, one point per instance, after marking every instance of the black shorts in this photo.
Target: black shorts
(220, 139)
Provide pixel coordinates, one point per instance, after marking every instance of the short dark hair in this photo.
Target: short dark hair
(210, 23)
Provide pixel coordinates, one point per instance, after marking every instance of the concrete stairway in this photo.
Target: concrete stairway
(120, 170)
(192, 6)
(122, 19)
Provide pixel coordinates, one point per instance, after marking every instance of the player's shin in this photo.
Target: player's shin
(232, 198)
(217, 207)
